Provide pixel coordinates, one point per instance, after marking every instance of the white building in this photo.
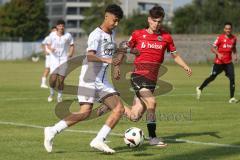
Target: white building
(71, 11)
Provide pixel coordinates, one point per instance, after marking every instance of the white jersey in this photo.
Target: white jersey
(61, 46)
(60, 43)
(93, 80)
(104, 46)
(44, 42)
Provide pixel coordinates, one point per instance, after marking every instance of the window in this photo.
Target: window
(57, 0)
(72, 10)
(72, 24)
(57, 10)
(84, 0)
(72, 0)
(82, 10)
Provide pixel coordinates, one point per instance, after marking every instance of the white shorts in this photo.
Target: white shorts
(47, 61)
(92, 89)
(58, 65)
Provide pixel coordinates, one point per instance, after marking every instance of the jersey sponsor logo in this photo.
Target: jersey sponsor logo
(227, 46)
(151, 45)
(159, 38)
(109, 48)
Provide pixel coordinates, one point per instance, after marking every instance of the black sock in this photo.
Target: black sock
(151, 129)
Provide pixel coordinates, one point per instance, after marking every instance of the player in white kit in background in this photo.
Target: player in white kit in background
(94, 85)
(47, 60)
(61, 46)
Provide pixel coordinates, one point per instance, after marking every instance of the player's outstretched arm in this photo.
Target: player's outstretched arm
(181, 63)
(71, 51)
(91, 57)
(234, 53)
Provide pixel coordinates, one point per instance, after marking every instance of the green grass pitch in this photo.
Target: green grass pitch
(194, 130)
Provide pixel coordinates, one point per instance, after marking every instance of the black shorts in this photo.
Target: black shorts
(138, 82)
(227, 68)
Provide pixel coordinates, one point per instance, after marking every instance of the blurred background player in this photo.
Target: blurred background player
(224, 47)
(94, 84)
(151, 42)
(47, 60)
(61, 48)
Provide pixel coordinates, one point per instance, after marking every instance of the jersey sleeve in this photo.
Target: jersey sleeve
(44, 42)
(171, 46)
(70, 39)
(216, 43)
(93, 41)
(49, 39)
(132, 40)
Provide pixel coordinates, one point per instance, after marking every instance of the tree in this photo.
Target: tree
(204, 16)
(23, 18)
(95, 14)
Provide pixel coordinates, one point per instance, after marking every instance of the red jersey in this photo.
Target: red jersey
(225, 46)
(152, 48)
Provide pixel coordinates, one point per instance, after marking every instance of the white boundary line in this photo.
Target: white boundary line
(120, 135)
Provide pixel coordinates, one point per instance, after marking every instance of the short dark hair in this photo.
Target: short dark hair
(228, 23)
(53, 27)
(157, 12)
(115, 9)
(60, 21)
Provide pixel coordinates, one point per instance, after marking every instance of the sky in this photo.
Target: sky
(179, 3)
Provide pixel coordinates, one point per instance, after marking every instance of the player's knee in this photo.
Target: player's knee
(119, 109)
(151, 103)
(52, 84)
(135, 118)
(85, 114)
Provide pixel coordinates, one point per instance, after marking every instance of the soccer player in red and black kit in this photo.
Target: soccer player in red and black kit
(224, 47)
(151, 43)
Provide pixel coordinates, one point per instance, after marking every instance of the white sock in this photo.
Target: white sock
(102, 134)
(51, 91)
(44, 80)
(59, 93)
(60, 126)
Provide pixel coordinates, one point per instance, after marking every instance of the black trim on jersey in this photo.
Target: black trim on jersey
(104, 73)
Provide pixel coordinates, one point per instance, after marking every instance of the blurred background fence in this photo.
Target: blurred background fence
(193, 48)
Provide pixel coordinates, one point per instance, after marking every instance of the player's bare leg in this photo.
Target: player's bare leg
(52, 83)
(60, 87)
(75, 117)
(149, 100)
(115, 104)
(135, 112)
(44, 78)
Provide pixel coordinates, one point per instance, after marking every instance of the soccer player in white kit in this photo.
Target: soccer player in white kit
(61, 46)
(94, 85)
(47, 60)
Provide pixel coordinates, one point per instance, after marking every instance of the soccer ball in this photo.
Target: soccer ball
(35, 59)
(133, 137)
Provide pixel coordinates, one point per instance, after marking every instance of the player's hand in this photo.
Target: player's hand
(235, 58)
(116, 72)
(188, 70)
(219, 55)
(108, 60)
(116, 61)
(121, 50)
